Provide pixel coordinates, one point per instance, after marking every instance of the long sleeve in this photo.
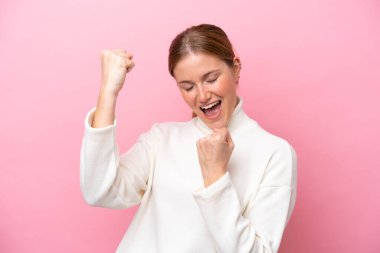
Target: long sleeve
(258, 228)
(108, 179)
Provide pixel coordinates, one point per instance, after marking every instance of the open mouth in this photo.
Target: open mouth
(212, 109)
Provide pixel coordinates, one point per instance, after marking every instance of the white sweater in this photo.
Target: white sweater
(246, 210)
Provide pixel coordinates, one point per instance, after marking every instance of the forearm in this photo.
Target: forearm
(254, 230)
(221, 210)
(105, 109)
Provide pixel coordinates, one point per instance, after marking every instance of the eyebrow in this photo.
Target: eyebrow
(204, 76)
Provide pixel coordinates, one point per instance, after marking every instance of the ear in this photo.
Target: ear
(236, 68)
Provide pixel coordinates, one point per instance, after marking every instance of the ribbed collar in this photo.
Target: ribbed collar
(234, 123)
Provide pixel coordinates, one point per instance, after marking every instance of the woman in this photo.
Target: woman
(216, 183)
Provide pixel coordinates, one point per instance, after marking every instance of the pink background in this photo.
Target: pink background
(310, 75)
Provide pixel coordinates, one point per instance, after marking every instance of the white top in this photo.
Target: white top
(246, 210)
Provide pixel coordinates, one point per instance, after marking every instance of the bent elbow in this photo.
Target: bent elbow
(90, 198)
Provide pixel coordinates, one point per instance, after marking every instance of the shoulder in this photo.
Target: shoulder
(170, 125)
(162, 129)
(266, 140)
(279, 156)
(274, 141)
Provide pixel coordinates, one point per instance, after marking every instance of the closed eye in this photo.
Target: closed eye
(212, 80)
(189, 88)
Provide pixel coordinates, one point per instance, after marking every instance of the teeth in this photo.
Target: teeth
(209, 106)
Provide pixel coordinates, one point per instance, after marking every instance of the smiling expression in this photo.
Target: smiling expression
(208, 86)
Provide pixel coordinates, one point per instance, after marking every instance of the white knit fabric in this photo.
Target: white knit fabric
(246, 210)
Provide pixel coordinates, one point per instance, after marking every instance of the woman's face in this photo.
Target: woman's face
(208, 86)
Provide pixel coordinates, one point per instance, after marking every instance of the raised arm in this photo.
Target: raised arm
(115, 65)
(107, 178)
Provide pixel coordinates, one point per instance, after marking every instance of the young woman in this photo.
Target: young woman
(216, 183)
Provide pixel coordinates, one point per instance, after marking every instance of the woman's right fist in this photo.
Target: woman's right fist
(115, 65)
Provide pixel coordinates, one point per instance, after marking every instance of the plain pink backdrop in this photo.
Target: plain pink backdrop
(310, 75)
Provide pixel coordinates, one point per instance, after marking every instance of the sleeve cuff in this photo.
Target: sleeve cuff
(213, 189)
(88, 122)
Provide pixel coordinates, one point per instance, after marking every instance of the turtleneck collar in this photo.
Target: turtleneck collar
(233, 124)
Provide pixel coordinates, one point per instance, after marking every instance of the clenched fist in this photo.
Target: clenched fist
(214, 152)
(115, 65)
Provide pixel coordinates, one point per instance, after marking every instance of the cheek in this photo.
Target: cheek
(226, 87)
(188, 98)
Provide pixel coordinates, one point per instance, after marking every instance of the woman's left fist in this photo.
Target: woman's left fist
(214, 152)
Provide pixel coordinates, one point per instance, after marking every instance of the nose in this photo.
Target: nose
(204, 94)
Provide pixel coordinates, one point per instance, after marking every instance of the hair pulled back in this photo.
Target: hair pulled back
(203, 38)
